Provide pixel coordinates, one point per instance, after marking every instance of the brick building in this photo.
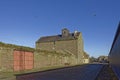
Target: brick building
(70, 43)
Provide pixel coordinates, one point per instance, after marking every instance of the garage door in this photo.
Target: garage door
(23, 60)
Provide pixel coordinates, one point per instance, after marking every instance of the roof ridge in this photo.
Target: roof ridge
(58, 37)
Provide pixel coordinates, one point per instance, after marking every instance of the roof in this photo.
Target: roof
(58, 38)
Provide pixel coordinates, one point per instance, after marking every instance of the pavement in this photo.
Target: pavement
(82, 72)
(116, 70)
(107, 74)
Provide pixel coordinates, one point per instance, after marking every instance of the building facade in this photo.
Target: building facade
(114, 54)
(66, 42)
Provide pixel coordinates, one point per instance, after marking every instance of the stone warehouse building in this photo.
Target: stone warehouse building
(70, 43)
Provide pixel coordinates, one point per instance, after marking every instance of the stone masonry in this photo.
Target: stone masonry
(70, 43)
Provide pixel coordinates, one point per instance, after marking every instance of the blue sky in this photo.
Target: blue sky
(22, 22)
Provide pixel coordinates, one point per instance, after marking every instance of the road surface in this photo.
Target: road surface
(82, 72)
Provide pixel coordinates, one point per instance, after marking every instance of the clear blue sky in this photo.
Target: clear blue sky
(22, 22)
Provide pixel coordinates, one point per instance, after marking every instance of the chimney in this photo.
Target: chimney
(65, 32)
(75, 34)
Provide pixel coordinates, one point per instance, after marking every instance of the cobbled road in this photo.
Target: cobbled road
(82, 72)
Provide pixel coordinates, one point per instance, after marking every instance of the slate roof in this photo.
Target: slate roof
(58, 38)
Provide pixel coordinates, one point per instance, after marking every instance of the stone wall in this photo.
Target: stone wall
(80, 49)
(47, 59)
(75, 47)
(45, 46)
(6, 59)
(41, 59)
(67, 46)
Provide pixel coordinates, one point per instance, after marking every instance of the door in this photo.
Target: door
(23, 60)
